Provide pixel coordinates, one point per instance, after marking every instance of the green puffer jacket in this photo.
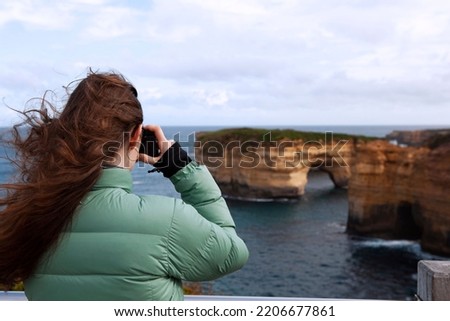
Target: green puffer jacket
(122, 246)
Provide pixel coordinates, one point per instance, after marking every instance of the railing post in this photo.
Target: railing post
(433, 280)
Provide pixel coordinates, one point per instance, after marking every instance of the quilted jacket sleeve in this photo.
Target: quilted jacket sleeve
(202, 242)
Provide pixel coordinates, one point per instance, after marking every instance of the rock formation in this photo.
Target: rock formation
(403, 192)
(395, 190)
(414, 137)
(254, 167)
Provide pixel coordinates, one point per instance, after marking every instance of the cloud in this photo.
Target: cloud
(277, 60)
(212, 98)
(111, 22)
(35, 14)
(150, 94)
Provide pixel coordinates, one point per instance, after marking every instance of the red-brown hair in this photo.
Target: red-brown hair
(58, 159)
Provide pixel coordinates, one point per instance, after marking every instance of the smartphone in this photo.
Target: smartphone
(149, 144)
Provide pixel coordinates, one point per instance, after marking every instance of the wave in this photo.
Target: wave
(261, 200)
(376, 243)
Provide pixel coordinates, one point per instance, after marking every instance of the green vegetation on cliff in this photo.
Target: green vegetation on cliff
(265, 135)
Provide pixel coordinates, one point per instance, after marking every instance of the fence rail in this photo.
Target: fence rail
(20, 296)
(433, 284)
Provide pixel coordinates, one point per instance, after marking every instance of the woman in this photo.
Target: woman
(71, 227)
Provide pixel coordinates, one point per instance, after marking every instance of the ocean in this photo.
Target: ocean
(300, 248)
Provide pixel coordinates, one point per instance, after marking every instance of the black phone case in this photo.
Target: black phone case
(149, 144)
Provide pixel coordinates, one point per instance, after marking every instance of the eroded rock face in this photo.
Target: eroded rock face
(279, 170)
(432, 192)
(395, 191)
(402, 192)
(380, 192)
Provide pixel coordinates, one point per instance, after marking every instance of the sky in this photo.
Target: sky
(238, 62)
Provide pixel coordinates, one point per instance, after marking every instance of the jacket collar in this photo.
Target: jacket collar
(115, 177)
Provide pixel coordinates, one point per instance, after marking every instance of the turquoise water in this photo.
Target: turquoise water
(300, 248)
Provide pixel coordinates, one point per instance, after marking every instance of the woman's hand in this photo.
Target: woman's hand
(163, 144)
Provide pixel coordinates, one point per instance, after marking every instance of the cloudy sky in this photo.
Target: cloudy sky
(239, 62)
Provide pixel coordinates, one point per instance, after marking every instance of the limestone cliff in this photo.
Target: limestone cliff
(403, 192)
(415, 137)
(380, 192)
(271, 164)
(395, 191)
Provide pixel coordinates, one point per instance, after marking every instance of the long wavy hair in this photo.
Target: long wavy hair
(58, 158)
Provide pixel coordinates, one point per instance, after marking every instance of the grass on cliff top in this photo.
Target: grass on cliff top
(262, 134)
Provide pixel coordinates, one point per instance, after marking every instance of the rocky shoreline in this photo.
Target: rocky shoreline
(398, 187)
